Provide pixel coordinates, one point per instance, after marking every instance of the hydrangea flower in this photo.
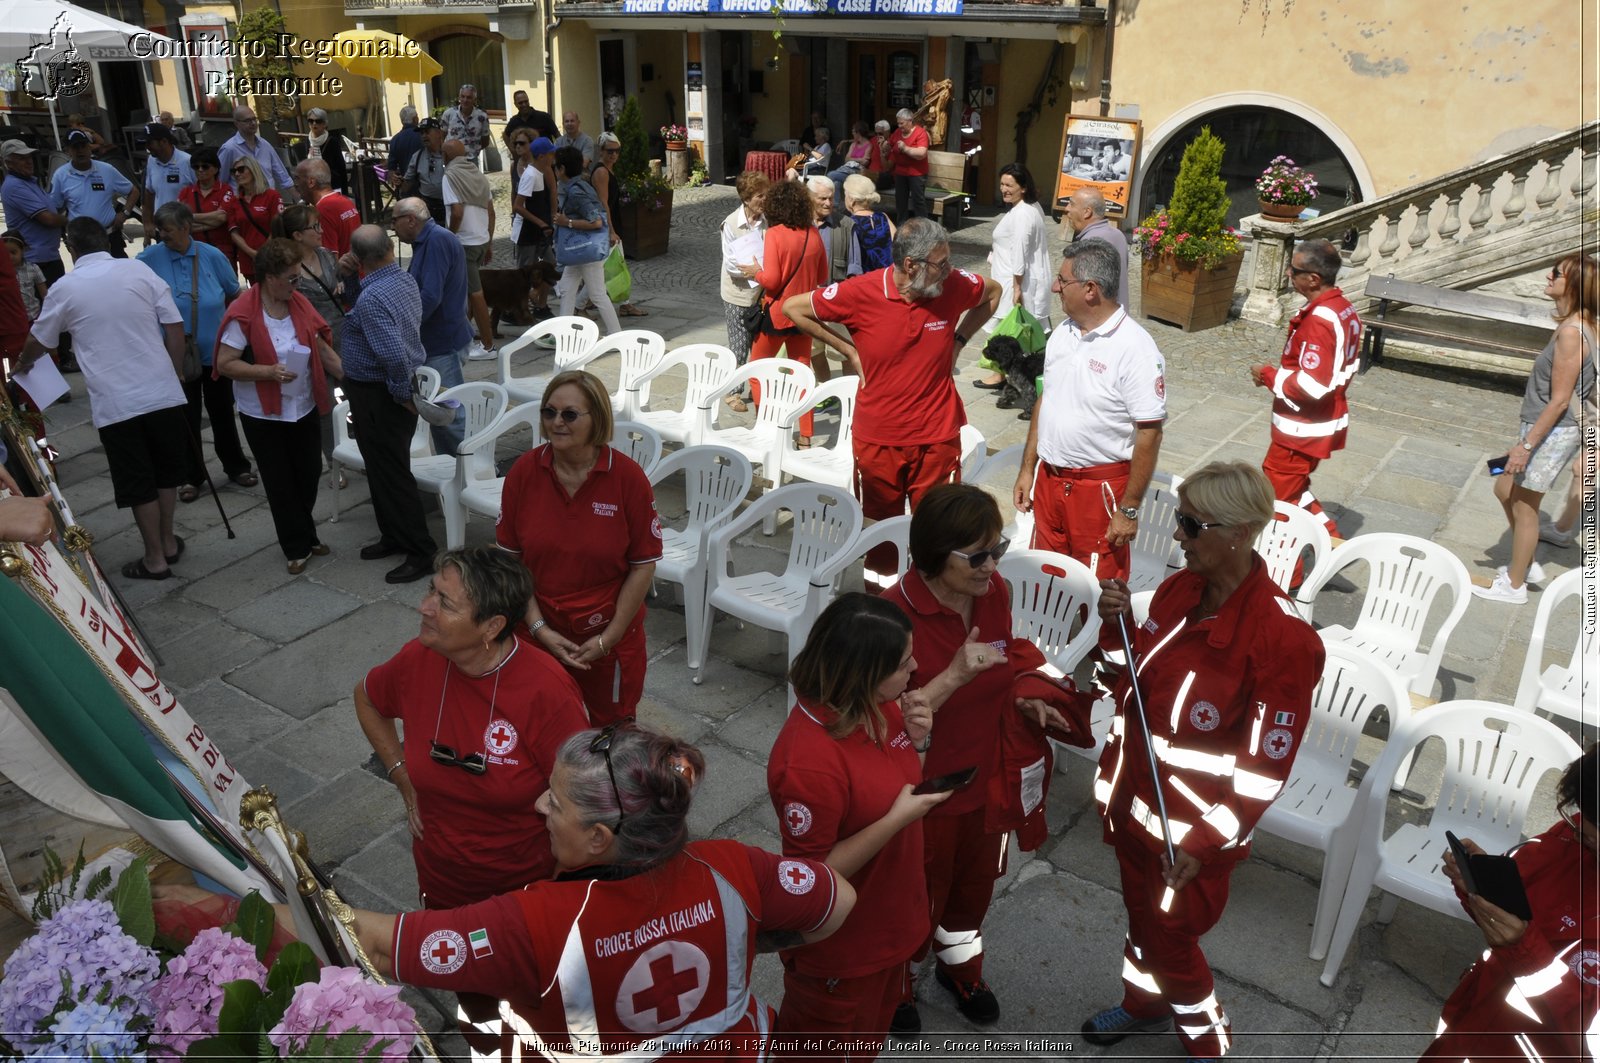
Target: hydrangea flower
(341, 1000)
(91, 1031)
(186, 1000)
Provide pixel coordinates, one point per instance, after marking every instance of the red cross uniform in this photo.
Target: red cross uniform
(481, 835)
(1540, 998)
(340, 219)
(654, 964)
(826, 789)
(580, 549)
(1228, 698)
(961, 859)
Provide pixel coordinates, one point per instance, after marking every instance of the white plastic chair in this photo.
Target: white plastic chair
(835, 463)
(715, 481)
(1154, 554)
(785, 389)
(1053, 603)
(481, 488)
(573, 336)
(1317, 799)
(830, 578)
(639, 350)
(1283, 543)
(1567, 690)
(998, 473)
(705, 365)
(1495, 759)
(1404, 577)
(484, 403)
(826, 521)
(974, 449)
(640, 442)
(347, 454)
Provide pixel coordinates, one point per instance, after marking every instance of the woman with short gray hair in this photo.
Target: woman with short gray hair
(325, 144)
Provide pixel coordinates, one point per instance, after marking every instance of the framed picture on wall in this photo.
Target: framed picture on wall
(209, 67)
(1103, 152)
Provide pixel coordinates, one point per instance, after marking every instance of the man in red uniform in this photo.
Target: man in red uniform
(906, 329)
(908, 165)
(337, 212)
(1309, 414)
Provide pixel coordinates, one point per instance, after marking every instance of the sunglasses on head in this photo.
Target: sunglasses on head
(1193, 526)
(982, 557)
(472, 763)
(602, 744)
(550, 413)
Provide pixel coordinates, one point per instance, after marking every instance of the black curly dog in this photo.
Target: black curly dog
(1020, 371)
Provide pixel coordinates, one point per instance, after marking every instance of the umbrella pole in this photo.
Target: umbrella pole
(54, 128)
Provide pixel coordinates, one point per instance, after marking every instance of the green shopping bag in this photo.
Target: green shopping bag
(1024, 328)
(619, 282)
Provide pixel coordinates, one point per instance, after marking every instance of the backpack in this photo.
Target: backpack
(872, 238)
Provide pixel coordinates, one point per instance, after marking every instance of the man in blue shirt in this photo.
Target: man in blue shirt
(439, 265)
(166, 171)
(403, 144)
(88, 188)
(381, 347)
(247, 141)
(30, 211)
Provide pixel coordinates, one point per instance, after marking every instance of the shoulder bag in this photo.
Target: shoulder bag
(765, 325)
(192, 367)
(576, 247)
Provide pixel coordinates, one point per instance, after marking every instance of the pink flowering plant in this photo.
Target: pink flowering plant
(1193, 229)
(1285, 182)
(344, 1015)
(189, 995)
(674, 134)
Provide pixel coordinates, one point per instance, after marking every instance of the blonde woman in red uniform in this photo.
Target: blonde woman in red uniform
(582, 517)
(841, 776)
(641, 947)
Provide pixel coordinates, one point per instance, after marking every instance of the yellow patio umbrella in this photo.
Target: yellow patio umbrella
(384, 57)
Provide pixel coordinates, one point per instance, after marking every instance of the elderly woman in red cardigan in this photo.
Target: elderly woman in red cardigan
(275, 348)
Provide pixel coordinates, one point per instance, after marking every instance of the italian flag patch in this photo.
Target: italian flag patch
(1283, 719)
(480, 943)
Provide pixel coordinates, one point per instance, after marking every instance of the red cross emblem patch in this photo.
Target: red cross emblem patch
(1278, 743)
(444, 951)
(796, 818)
(663, 987)
(1203, 716)
(1586, 965)
(500, 737)
(796, 877)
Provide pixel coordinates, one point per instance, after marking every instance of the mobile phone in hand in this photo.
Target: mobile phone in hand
(1497, 466)
(941, 783)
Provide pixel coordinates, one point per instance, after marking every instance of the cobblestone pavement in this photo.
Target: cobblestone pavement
(266, 662)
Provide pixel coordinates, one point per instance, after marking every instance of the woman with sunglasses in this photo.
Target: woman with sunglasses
(327, 145)
(1549, 433)
(960, 613)
(1227, 670)
(604, 178)
(325, 287)
(840, 776)
(255, 205)
(581, 515)
(642, 945)
(210, 201)
(1532, 994)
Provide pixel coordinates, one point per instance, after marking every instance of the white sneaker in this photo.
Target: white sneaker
(1501, 590)
(480, 353)
(1549, 533)
(1535, 573)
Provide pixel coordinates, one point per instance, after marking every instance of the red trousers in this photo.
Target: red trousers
(837, 1018)
(1163, 969)
(961, 862)
(1072, 512)
(798, 349)
(889, 477)
(1290, 471)
(614, 684)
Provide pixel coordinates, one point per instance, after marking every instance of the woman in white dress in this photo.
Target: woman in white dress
(1019, 259)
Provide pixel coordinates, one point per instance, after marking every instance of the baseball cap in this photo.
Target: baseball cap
(78, 136)
(15, 147)
(541, 146)
(430, 123)
(157, 131)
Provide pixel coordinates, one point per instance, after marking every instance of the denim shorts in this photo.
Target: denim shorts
(1551, 458)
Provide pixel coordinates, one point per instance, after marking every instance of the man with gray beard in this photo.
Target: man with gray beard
(907, 324)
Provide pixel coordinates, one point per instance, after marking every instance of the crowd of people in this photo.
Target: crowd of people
(550, 831)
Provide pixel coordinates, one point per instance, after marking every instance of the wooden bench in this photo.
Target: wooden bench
(947, 193)
(1513, 331)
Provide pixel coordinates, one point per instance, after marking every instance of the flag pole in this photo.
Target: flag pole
(1144, 729)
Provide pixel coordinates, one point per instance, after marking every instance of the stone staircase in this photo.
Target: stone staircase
(1500, 218)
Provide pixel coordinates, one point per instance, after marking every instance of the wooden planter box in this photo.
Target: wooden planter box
(1187, 296)
(644, 228)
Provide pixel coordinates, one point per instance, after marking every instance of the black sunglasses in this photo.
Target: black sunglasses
(1556, 274)
(550, 413)
(472, 763)
(317, 121)
(602, 744)
(240, 169)
(982, 557)
(1193, 526)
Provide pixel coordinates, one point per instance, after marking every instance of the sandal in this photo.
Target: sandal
(136, 570)
(188, 493)
(172, 558)
(244, 479)
(736, 404)
(629, 310)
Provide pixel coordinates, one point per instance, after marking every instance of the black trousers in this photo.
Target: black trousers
(383, 433)
(218, 398)
(290, 456)
(435, 208)
(909, 187)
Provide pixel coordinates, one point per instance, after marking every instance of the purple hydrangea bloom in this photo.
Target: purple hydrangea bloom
(186, 1000)
(341, 1000)
(91, 1031)
(85, 943)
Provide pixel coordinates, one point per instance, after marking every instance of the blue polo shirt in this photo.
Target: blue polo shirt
(439, 266)
(163, 179)
(88, 193)
(218, 284)
(23, 199)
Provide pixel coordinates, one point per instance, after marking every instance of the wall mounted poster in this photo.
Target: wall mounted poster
(1103, 152)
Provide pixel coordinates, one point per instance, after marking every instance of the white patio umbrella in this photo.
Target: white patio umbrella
(47, 37)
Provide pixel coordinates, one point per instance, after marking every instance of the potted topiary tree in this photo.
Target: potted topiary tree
(1190, 256)
(644, 216)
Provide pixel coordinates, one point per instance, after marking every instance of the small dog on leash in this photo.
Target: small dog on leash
(518, 295)
(1020, 371)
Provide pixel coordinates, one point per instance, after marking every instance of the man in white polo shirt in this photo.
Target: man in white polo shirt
(166, 171)
(1096, 431)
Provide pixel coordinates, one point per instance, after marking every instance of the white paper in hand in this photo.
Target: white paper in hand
(43, 382)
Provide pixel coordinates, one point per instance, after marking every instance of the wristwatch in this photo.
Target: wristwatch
(1131, 512)
(962, 341)
(1527, 446)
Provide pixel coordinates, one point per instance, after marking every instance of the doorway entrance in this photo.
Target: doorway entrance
(884, 77)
